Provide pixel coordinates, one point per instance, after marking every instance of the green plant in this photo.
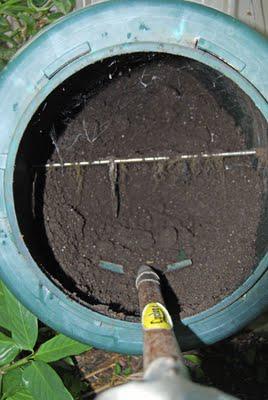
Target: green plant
(25, 370)
(194, 364)
(22, 19)
(125, 370)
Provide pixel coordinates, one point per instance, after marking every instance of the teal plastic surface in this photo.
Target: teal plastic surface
(74, 42)
(179, 265)
(116, 268)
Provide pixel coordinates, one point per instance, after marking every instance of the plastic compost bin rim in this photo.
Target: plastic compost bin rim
(38, 276)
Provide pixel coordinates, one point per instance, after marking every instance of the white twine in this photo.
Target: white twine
(151, 159)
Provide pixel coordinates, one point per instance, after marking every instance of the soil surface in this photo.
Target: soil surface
(157, 213)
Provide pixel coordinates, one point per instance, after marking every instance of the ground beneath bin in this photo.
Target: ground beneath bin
(237, 366)
(157, 213)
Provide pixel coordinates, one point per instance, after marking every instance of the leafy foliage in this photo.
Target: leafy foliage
(43, 383)
(8, 349)
(22, 19)
(117, 368)
(194, 364)
(59, 347)
(193, 358)
(21, 323)
(125, 370)
(25, 370)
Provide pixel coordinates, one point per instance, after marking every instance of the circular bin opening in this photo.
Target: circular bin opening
(208, 210)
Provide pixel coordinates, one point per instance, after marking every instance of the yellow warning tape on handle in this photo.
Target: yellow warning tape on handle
(156, 316)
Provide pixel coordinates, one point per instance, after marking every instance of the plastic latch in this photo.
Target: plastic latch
(66, 59)
(222, 54)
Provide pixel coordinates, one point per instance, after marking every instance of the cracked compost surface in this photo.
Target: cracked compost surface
(166, 211)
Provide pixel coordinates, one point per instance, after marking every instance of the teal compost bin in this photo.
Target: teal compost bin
(80, 39)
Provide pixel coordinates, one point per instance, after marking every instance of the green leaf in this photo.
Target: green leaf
(4, 23)
(64, 6)
(7, 39)
(13, 9)
(128, 371)
(22, 323)
(53, 17)
(39, 3)
(43, 383)
(4, 319)
(117, 368)
(6, 54)
(69, 361)
(21, 395)
(12, 382)
(29, 23)
(199, 374)
(8, 349)
(60, 347)
(193, 359)
(74, 384)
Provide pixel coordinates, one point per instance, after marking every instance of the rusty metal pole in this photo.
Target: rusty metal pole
(159, 337)
(165, 375)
